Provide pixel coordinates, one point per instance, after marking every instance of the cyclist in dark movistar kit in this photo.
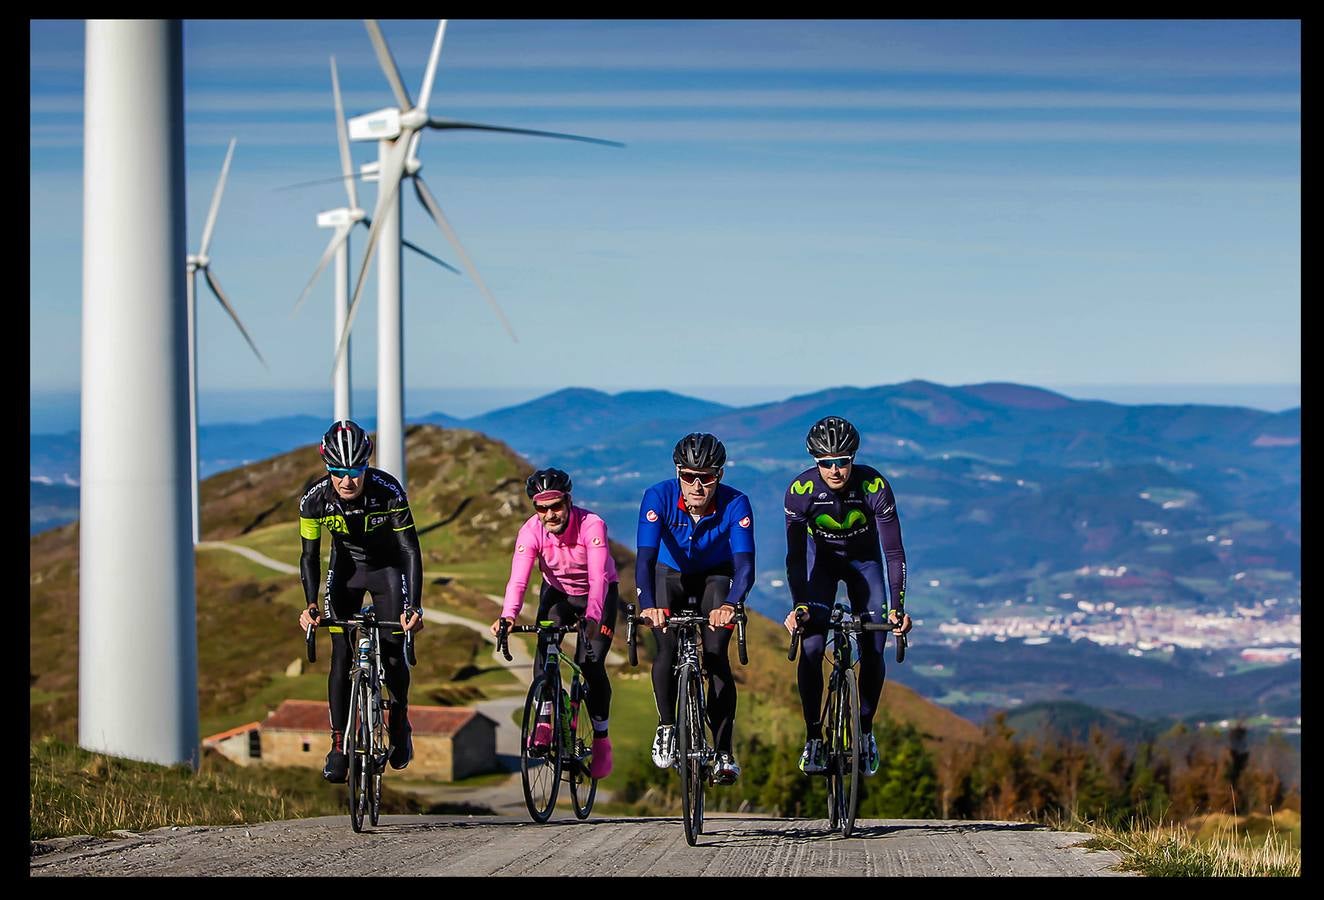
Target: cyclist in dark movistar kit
(846, 508)
(695, 550)
(374, 547)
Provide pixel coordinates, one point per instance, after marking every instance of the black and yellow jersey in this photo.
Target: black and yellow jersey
(376, 529)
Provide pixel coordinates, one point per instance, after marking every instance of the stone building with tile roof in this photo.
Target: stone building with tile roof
(450, 742)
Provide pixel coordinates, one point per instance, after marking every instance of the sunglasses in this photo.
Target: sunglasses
(356, 472)
(835, 462)
(553, 507)
(691, 477)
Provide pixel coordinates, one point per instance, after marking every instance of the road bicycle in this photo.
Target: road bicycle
(564, 748)
(365, 725)
(694, 753)
(843, 738)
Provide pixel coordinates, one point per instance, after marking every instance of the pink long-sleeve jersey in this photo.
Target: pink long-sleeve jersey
(576, 562)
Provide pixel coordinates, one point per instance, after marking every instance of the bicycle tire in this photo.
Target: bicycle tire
(689, 744)
(358, 750)
(850, 731)
(698, 719)
(581, 754)
(377, 756)
(540, 776)
(830, 751)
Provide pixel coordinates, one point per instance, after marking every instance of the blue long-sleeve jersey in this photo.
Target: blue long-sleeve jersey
(669, 534)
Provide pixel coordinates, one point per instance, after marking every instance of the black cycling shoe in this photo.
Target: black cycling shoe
(336, 769)
(402, 740)
(402, 753)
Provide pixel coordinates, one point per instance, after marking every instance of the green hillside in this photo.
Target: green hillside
(467, 495)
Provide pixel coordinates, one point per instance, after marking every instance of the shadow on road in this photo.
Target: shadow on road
(806, 833)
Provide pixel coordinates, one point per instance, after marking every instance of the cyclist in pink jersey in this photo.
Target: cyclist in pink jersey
(579, 584)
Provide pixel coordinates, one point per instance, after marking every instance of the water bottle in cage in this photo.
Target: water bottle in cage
(365, 651)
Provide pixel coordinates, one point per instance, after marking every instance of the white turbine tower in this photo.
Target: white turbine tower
(343, 220)
(137, 638)
(397, 130)
(201, 262)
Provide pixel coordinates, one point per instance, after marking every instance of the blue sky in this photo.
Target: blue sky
(800, 204)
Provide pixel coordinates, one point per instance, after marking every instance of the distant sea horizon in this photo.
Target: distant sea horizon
(57, 412)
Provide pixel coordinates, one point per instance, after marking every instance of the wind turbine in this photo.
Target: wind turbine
(196, 262)
(343, 220)
(397, 131)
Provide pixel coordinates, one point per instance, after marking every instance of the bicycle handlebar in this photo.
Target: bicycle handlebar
(310, 641)
(681, 621)
(853, 626)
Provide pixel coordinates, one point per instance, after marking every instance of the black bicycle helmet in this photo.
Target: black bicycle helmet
(346, 446)
(547, 480)
(832, 436)
(699, 450)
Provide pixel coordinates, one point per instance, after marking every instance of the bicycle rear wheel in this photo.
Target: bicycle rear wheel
(850, 747)
(358, 749)
(583, 787)
(689, 752)
(540, 770)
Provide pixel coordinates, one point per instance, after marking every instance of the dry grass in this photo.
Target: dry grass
(1230, 850)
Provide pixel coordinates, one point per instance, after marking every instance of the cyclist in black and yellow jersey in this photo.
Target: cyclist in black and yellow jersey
(374, 548)
(837, 512)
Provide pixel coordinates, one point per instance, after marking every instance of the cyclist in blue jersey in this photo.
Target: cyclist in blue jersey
(847, 509)
(695, 552)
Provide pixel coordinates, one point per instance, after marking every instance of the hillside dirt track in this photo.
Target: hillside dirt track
(509, 845)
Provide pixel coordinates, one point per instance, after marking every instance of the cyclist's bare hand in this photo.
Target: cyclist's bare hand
(791, 621)
(900, 621)
(412, 620)
(655, 617)
(310, 616)
(721, 616)
(496, 626)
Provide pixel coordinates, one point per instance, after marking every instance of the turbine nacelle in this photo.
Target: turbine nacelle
(339, 218)
(196, 261)
(382, 125)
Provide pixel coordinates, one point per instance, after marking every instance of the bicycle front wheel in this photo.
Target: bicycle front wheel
(850, 751)
(831, 748)
(583, 786)
(378, 755)
(540, 763)
(358, 750)
(689, 752)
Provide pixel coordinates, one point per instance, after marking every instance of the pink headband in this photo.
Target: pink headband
(547, 496)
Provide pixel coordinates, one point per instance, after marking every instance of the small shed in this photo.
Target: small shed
(450, 742)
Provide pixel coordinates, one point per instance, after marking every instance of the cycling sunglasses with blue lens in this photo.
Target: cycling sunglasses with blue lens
(356, 472)
(835, 462)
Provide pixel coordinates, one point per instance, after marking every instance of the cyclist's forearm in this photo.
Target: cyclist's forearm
(896, 577)
(310, 569)
(645, 570)
(797, 563)
(742, 578)
(411, 564)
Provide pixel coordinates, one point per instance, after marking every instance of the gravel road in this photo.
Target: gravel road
(512, 845)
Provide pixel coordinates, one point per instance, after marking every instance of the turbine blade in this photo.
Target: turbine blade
(303, 184)
(434, 210)
(220, 295)
(431, 72)
(451, 124)
(387, 63)
(387, 187)
(216, 201)
(342, 137)
(438, 260)
(337, 239)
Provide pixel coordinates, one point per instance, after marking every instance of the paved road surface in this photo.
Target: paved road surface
(510, 845)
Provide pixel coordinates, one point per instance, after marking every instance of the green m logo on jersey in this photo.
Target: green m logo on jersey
(875, 486)
(825, 521)
(802, 487)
